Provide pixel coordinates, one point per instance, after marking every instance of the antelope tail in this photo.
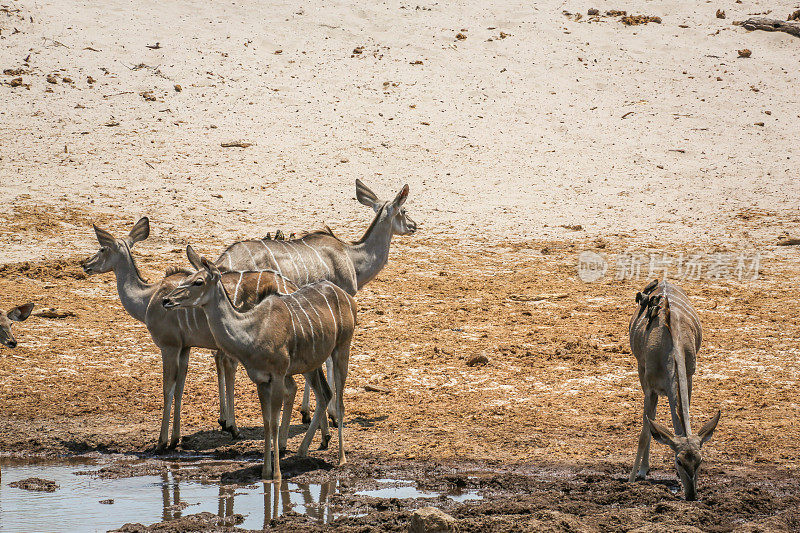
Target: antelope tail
(680, 367)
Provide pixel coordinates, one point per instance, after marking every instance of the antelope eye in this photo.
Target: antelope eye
(103, 248)
(198, 282)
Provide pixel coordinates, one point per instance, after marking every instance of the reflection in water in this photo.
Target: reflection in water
(76, 506)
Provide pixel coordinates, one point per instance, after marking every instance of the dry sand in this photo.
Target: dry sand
(504, 137)
(508, 137)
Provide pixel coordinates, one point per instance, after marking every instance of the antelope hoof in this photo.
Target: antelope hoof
(222, 424)
(233, 430)
(173, 444)
(161, 448)
(282, 451)
(306, 417)
(267, 475)
(333, 422)
(323, 445)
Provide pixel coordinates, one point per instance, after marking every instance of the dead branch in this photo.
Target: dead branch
(765, 24)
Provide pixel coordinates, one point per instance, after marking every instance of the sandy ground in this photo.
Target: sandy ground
(554, 137)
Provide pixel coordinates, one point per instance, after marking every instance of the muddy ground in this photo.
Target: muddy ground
(546, 430)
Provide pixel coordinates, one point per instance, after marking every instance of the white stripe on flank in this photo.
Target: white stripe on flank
(253, 259)
(258, 283)
(303, 261)
(297, 270)
(322, 261)
(230, 263)
(338, 306)
(275, 264)
(236, 292)
(314, 308)
(291, 316)
(335, 326)
(688, 311)
(313, 340)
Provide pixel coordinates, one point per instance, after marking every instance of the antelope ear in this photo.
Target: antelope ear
(20, 313)
(661, 434)
(194, 259)
(708, 428)
(140, 231)
(104, 237)
(211, 268)
(401, 197)
(365, 195)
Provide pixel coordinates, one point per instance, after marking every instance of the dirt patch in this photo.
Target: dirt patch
(56, 269)
(35, 484)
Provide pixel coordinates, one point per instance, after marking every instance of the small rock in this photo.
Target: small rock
(178, 88)
(278, 52)
(720, 14)
(758, 124)
(794, 16)
(744, 52)
(148, 96)
(369, 387)
(431, 520)
(67, 79)
(36, 484)
(107, 502)
(592, 12)
(460, 36)
(358, 50)
(89, 79)
(51, 78)
(16, 82)
(478, 360)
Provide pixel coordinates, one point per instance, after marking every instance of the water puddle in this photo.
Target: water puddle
(409, 491)
(88, 503)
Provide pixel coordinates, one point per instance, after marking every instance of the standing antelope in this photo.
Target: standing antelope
(283, 335)
(321, 256)
(16, 314)
(665, 335)
(175, 332)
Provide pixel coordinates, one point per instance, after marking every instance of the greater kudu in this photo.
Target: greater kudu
(665, 335)
(283, 335)
(15, 314)
(175, 332)
(322, 256)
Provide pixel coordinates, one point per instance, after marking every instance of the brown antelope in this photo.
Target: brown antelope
(283, 335)
(175, 332)
(665, 335)
(15, 314)
(322, 256)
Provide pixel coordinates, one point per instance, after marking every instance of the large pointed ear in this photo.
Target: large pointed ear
(20, 313)
(194, 257)
(401, 197)
(661, 433)
(140, 231)
(708, 428)
(211, 268)
(104, 237)
(365, 195)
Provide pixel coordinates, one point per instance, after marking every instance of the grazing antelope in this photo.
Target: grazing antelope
(283, 335)
(665, 335)
(175, 332)
(322, 256)
(15, 314)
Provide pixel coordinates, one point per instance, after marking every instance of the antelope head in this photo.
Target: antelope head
(196, 289)
(16, 314)
(113, 250)
(687, 452)
(394, 210)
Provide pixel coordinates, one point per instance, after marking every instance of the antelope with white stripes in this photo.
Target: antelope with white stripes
(282, 335)
(175, 332)
(665, 335)
(15, 314)
(322, 256)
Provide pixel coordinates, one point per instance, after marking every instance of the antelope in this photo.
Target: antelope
(322, 256)
(15, 314)
(665, 335)
(282, 335)
(175, 332)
